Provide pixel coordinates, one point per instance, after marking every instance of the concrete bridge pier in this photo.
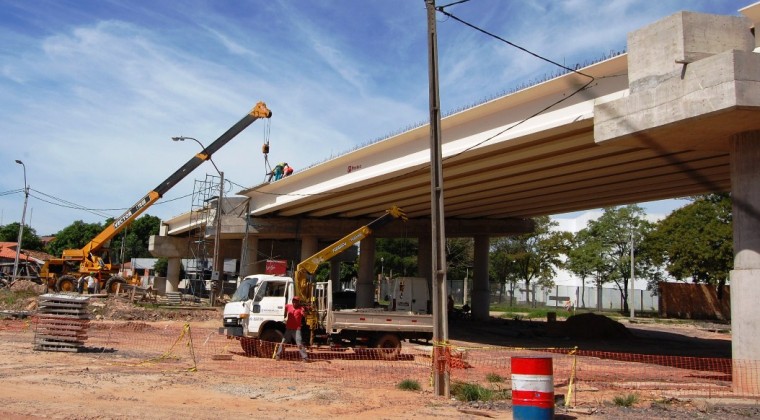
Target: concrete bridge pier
(365, 290)
(481, 294)
(745, 277)
(173, 249)
(250, 265)
(172, 274)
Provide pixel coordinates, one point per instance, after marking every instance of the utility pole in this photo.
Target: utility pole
(440, 322)
(21, 226)
(244, 249)
(216, 273)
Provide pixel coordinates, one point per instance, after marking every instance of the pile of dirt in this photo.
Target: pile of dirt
(591, 326)
(22, 296)
(27, 286)
(118, 309)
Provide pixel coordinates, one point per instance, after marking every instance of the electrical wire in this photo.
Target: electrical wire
(20, 190)
(486, 140)
(265, 148)
(440, 9)
(59, 202)
(68, 204)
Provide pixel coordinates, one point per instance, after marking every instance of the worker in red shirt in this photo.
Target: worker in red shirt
(295, 313)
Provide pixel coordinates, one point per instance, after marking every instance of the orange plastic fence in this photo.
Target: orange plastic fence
(577, 372)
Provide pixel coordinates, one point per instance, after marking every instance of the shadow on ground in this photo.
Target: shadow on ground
(596, 333)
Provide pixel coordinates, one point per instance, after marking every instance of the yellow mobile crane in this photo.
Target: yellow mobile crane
(61, 273)
(304, 290)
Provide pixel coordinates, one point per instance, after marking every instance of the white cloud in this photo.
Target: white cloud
(93, 91)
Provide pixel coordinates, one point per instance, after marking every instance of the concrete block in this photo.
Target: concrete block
(168, 246)
(677, 113)
(685, 37)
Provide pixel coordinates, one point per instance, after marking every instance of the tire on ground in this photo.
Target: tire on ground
(113, 283)
(389, 346)
(268, 342)
(66, 283)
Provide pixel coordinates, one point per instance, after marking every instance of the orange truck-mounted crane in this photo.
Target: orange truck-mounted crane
(61, 273)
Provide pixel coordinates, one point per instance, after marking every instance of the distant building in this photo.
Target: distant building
(8, 251)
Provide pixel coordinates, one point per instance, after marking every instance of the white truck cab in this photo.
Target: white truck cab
(259, 298)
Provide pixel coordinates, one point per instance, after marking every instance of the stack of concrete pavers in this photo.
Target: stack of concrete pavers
(173, 298)
(63, 322)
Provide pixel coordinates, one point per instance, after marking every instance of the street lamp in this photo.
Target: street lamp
(217, 266)
(21, 227)
(382, 280)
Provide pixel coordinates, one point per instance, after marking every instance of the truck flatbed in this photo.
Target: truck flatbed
(378, 320)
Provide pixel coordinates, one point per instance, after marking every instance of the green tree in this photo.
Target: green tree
(584, 259)
(459, 257)
(696, 241)
(617, 230)
(399, 256)
(161, 266)
(73, 236)
(135, 238)
(533, 257)
(29, 239)
(500, 267)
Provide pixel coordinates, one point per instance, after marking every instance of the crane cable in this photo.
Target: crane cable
(265, 148)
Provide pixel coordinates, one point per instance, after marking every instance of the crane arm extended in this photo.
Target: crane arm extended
(310, 265)
(86, 253)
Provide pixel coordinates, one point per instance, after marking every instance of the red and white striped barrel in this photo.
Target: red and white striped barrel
(532, 388)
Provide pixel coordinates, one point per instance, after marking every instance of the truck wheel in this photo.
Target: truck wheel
(268, 342)
(66, 284)
(249, 346)
(113, 283)
(389, 346)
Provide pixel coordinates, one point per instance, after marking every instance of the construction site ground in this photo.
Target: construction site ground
(37, 384)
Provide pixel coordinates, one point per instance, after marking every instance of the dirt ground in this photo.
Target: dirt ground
(58, 385)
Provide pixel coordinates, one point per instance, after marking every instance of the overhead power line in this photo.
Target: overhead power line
(486, 140)
(20, 190)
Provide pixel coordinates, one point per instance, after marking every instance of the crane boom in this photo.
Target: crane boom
(92, 262)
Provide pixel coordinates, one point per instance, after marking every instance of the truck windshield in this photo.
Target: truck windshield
(270, 289)
(241, 294)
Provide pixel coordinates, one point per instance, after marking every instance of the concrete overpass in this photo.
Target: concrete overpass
(679, 114)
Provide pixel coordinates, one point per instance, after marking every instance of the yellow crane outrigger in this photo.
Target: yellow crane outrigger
(308, 266)
(61, 273)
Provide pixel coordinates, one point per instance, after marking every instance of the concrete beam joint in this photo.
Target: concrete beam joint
(684, 37)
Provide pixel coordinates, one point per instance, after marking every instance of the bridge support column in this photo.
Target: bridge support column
(745, 277)
(309, 247)
(249, 264)
(481, 293)
(365, 290)
(335, 274)
(425, 264)
(172, 274)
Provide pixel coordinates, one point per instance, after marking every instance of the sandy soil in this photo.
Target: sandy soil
(36, 384)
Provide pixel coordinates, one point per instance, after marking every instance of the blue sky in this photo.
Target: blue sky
(93, 90)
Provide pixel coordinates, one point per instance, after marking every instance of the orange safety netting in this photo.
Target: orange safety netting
(576, 372)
